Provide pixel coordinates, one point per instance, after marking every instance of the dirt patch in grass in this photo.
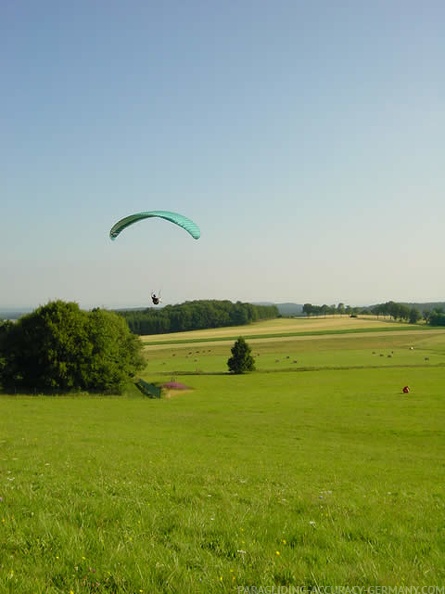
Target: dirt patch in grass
(175, 393)
(173, 388)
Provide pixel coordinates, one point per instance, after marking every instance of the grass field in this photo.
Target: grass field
(316, 470)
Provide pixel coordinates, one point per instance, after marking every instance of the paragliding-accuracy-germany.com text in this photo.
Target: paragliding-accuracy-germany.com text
(341, 589)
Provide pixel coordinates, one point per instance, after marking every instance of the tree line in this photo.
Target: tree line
(323, 310)
(196, 315)
(410, 313)
(397, 311)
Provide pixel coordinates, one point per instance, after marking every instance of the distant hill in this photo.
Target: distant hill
(10, 313)
(290, 309)
(285, 309)
(426, 306)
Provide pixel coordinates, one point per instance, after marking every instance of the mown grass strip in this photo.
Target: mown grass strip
(287, 335)
(306, 368)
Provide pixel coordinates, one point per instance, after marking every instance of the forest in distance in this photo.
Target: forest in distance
(199, 315)
(196, 315)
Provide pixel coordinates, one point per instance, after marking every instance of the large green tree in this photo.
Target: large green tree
(241, 359)
(61, 348)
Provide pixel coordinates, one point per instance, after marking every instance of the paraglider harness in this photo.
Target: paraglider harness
(156, 300)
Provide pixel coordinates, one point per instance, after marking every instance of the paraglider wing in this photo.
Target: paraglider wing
(173, 217)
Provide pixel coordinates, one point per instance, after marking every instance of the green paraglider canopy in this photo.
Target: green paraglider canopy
(173, 217)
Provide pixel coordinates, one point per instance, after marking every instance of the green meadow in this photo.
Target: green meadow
(315, 470)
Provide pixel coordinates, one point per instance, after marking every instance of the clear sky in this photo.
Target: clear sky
(305, 138)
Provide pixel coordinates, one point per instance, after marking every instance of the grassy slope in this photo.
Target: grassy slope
(328, 477)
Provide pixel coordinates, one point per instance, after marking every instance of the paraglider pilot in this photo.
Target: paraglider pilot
(155, 299)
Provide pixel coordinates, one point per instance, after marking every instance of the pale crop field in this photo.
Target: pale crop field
(318, 472)
(283, 326)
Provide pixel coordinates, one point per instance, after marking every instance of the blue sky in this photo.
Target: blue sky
(306, 139)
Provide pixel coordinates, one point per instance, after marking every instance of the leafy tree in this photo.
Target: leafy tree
(341, 308)
(241, 359)
(5, 328)
(414, 315)
(324, 309)
(437, 319)
(60, 348)
(116, 352)
(308, 309)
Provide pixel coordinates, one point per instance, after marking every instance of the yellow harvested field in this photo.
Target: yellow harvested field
(280, 326)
